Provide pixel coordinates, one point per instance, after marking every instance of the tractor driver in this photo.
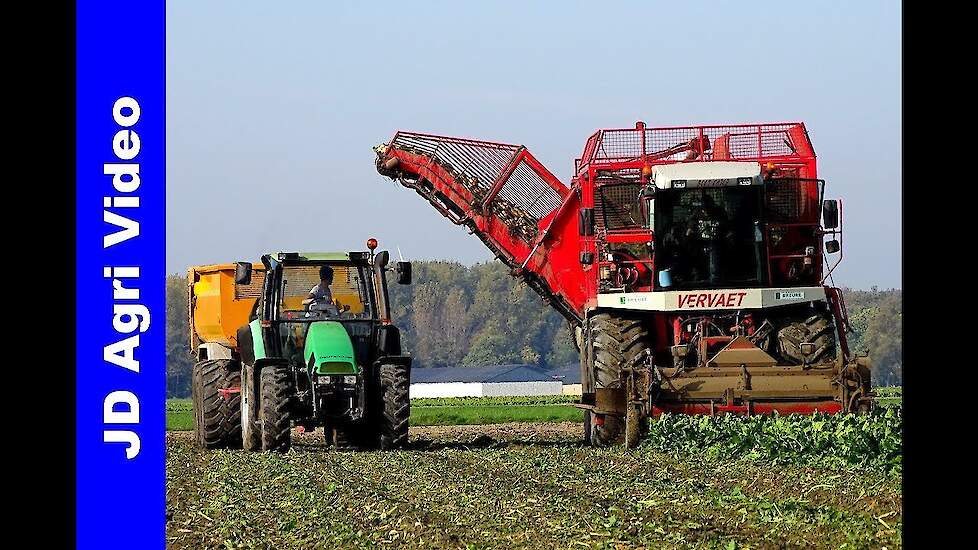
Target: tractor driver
(321, 294)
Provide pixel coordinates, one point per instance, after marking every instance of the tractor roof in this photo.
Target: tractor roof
(320, 256)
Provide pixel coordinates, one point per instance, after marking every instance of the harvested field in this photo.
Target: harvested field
(519, 486)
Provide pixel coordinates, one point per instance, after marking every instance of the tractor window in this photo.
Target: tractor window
(348, 289)
(707, 237)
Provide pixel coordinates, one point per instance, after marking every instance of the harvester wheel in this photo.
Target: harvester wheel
(587, 427)
(818, 330)
(274, 406)
(210, 410)
(394, 383)
(616, 341)
(576, 335)
(250, 425)
(610, 432)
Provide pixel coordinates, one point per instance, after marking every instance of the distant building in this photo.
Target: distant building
(500, 380)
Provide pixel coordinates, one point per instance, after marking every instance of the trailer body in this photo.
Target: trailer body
(218, 306)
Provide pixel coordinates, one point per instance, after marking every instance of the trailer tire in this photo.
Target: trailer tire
(615, 340)
(817, 329)
(250, 422)
(275, 408)
(395, 381)
(232, 404)
(210, 410)
(196, 405)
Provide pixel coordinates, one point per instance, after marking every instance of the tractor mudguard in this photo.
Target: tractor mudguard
(404, 360)
(251, 343)
(329, 348)
(388, 340)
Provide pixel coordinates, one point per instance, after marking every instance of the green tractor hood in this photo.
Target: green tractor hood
(329, 349)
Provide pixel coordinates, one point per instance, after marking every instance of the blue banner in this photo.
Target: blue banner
(120, 274)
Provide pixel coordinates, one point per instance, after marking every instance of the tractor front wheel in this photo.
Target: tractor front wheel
(395, 380)
(274, 406)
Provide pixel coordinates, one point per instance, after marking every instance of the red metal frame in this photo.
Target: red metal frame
(529, 219)
(465, 179)
(830, 407)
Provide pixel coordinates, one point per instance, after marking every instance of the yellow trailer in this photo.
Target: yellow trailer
(218, 307)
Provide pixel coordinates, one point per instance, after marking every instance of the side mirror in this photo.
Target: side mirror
(403, 273)
(832, 246)
(242, 273)
(382, 259)
(830, 214)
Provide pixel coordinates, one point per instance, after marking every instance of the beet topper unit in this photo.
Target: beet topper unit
(690, 262)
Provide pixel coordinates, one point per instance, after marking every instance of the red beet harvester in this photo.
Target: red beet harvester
(691, 263)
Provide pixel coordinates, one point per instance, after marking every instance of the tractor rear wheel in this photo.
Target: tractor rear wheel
(817, 329)
(216, 426)
(347, 437)
(274, 405)
(395, 380)
(328, 435)
(615, 341)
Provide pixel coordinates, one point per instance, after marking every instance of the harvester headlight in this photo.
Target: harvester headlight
(679, 184)
(350, 380)
(745, 181)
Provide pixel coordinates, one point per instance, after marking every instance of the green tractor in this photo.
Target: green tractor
(318, 350)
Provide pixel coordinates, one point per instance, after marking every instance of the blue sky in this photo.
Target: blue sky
(272, 108)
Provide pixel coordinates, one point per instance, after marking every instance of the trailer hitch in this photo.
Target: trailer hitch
(226, 392)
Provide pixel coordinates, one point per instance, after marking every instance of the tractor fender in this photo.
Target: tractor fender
(403, 360)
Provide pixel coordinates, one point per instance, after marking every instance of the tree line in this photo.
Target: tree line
(457, 315)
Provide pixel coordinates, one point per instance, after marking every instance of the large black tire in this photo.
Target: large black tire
(215, 425)
(610, 432)
(249, 412)
(347, 437)
(818, 330)
(275, 406)
(587, 427)
(395, 380)
(197, 404)
(616, 341)
(328, 434)
(232, 405)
